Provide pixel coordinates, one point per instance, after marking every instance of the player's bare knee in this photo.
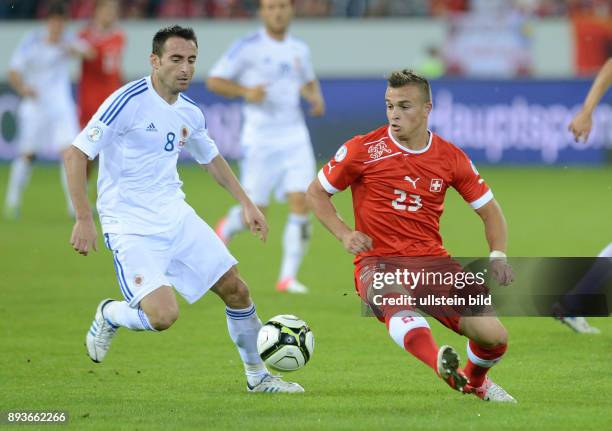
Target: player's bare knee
(494, 338)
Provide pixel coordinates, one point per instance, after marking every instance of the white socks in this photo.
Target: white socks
(18, 179)
(21, 169)
(119, 313)
(295, 242)
(234, 223)
(243, 326)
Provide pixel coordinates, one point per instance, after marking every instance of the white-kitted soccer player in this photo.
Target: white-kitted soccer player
(157, 240)
(46, 117)
(270, 70)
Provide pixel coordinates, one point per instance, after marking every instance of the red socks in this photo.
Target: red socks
(480, 360)
(420, 343)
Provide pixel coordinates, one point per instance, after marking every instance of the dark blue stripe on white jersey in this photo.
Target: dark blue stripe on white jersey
(134, 93)
(187, 99)
(119, 98)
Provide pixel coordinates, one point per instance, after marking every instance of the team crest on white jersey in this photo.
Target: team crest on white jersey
(378, 149)
(184, 135)
(436, 185)
(94, 133)
(340, 154)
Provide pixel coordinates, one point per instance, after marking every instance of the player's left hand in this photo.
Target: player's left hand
(256, 221)
(502, 271)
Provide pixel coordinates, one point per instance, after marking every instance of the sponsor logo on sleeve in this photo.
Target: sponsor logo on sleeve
(340, 154)
(94, 133)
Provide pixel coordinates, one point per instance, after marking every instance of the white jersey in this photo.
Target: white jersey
(139, 137)
(283, 67)
(44, 67)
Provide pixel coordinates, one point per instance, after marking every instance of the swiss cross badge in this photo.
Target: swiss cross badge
(436, 185)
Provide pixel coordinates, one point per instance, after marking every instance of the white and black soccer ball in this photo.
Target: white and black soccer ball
(285, 342)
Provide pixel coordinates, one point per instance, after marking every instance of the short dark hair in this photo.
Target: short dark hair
(401, 78)
(164, 34)
(57, 9)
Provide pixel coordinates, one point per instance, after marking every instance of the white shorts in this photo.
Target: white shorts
(45, 129)
(190, 257)
(285, 169)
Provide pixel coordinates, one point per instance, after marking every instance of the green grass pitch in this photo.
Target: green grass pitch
(190, 376)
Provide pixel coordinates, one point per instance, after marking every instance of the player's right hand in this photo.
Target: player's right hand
(255, 94)
(581, 126)
(84, 236)
(356, 242)
(256, 221)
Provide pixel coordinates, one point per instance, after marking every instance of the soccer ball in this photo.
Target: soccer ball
(285, 342)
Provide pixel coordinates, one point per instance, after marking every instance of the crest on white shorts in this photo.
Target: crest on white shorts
(138, 279)
(94, 133)
(340, 154)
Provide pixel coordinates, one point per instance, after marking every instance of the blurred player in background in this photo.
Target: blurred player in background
(46, 117)
(581, 126)
(398, 176)
(101, 75)
(158, 241)
(270, 69)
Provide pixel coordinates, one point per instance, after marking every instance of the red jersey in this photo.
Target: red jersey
(101, 75)
(398, 193)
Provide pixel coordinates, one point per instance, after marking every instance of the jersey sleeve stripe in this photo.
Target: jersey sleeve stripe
(125, 102)
(187, 99)
(326, 184)
(118, 99)
(481, 201)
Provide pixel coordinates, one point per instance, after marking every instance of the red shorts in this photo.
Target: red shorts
(436, 286)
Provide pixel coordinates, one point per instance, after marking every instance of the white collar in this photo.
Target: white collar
(408, 150)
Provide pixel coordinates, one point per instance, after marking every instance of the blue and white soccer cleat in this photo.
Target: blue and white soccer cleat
(100, 334)
(580, 325)
(274, 384)
(448, 368)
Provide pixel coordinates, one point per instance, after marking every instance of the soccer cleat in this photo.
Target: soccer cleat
(490, 391)
(219, 229)
(291, 285)
(100, 334)
(448, 368)
(580, 325)
(274, 384)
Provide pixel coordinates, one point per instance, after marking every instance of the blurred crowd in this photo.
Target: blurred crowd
(224, 9)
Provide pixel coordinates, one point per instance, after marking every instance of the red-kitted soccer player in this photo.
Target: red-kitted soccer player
(101, 75)
(398, 176)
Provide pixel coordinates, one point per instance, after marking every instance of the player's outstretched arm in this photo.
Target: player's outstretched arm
(223, 175)
(582, 123)
(320, 203)
(496, 232)
(84, 233)
(311, 91)
(232, 90)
